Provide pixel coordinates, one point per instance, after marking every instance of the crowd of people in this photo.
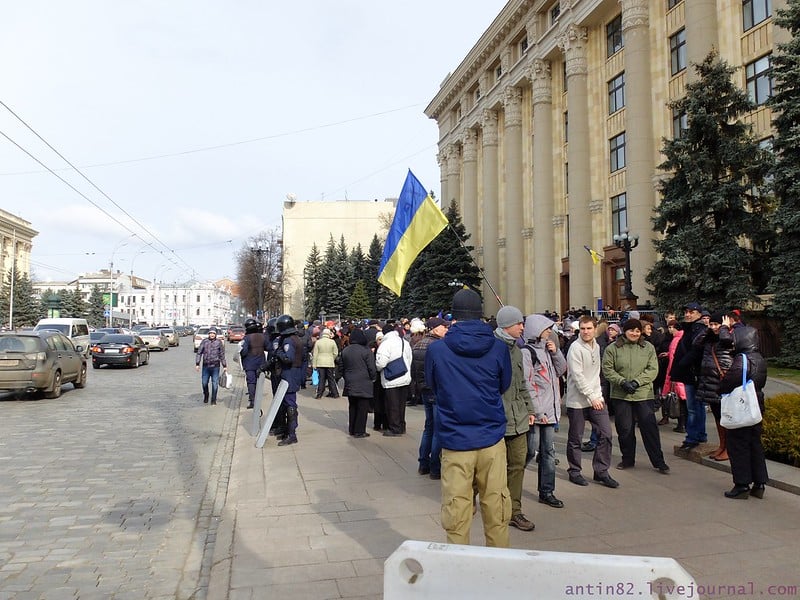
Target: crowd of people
(492, 391)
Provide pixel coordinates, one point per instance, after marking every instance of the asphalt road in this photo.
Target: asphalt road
(112, 491)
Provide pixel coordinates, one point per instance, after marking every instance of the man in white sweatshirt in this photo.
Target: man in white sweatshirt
(584, 401)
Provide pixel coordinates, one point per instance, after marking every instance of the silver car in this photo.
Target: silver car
(40, 361)
(172, 335)
(155, 339)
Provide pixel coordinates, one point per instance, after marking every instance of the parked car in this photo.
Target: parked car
(236, 334)
(172, 335)
(155, 339)
(76, 330)
(40, 361)
(95, 336)
(120, 349)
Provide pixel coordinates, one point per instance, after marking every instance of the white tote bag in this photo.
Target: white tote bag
(740, 406)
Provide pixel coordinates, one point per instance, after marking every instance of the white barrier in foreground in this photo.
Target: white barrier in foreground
(428, 570)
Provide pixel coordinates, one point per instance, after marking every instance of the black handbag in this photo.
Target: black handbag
(397, 367)
(673, 405)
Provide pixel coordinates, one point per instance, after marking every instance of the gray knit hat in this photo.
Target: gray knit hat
(508, 316)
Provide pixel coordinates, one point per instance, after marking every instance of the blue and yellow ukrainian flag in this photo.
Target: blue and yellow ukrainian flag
(417, 221)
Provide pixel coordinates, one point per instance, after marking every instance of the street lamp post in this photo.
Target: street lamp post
(627, 242)
(259, 248)
(120, 244)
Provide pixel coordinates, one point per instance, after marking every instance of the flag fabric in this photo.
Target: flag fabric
(417, 221)
(596, 256)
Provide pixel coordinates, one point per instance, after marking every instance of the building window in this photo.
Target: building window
(616, 147)
(566, 126)
(619, 214)
(759, 79)
(564, 75)
(673, 3)
(554, 13)
(198, 298)
(477, 95)
(616, 93)
(566, 178)
(754, 12)
(523, 46)
(680, 123)
(498, 71)
(614, 36)
(677, 52)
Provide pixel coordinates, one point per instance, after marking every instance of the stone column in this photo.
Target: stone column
(573, 43)
(515, 254)
(441, 158)
(639, 142)
(490, 234)
(453, 176)
(469, 201)
(544, 254)
(701, 33)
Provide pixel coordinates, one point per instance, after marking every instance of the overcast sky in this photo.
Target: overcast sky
(198, 118)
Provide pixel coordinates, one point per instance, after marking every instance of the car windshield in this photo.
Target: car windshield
(203, 331)
(53, 327)
(117, 338)
(13, 343)
(150, 332)
(96, 335)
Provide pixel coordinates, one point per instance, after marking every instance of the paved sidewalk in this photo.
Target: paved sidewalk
(317, 519)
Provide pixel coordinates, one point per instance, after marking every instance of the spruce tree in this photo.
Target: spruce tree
(426, 291)
(785, 103)
(713, 212)
(72, 304)
(312, 282)
(358, 264)
(25, 306)
(96, 314)
(380, 298)
(359, 306)
(344, 269)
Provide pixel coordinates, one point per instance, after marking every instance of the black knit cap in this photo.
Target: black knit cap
(632, 324)
(467, 305)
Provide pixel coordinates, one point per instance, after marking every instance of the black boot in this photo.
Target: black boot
(738, 492)
(291, 424)
(205, 397)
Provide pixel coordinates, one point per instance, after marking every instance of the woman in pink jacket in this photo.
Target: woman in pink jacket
(675, 386)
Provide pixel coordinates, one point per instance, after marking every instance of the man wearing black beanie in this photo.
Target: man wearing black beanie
(468, 371)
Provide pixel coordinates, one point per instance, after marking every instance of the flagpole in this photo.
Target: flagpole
(474, 262)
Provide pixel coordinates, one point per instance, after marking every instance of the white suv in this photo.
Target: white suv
(200, 335)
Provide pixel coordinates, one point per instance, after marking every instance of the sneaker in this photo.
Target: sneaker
(689, 445)
(663, 469)
(606, 480)
(578, 479)
(520, 522)
(551, 500)
(587, 447)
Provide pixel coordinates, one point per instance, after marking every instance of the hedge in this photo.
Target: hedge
(781, 433)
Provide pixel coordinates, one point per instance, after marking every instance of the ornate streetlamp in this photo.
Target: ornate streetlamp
(627, 242)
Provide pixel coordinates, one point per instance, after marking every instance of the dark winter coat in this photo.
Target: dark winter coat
(686, 363)
(212, 353)
(252, 352)
(290, 354)
(418, 352)
(358, 364)
(746, 342)
(468, 372)
(710, 375)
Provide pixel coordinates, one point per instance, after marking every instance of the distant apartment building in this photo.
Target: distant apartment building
(550, 133)
(308, 223)
(16, 241)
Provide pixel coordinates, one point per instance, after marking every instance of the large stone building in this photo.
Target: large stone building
(550, 132)
(309, 223)
(16, 241)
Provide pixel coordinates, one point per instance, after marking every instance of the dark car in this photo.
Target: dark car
(120, 349)
(40, 361)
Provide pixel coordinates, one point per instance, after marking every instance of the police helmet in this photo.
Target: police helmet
(285, 325)
(270, 329)
(252, 326)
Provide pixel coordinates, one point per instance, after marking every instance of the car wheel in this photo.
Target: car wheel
(95, 365)
(146, 359)
(80, 382)
(56, 391)
(135, 363)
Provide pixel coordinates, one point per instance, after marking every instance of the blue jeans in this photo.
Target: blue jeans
(211, 373)
(696, 419)
(547, 459)
(429, 449)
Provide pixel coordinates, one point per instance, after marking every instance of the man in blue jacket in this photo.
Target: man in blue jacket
(468, 372)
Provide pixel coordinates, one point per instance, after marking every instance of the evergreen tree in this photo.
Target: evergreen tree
(785, 103)
(344, 268)
(380, 297)
(72, 304)
(333, 296)
(312, 282)
(359, 264)
(44, 305)
(713, 214)
(359, 307)
(426, 291)
(25, 306)
(95, 315)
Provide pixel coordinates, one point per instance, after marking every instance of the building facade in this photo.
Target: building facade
(16, 241)
(550, 132)
(308, 223)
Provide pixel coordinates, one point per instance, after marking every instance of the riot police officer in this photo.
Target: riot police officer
(290, 355)
(253, 357)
